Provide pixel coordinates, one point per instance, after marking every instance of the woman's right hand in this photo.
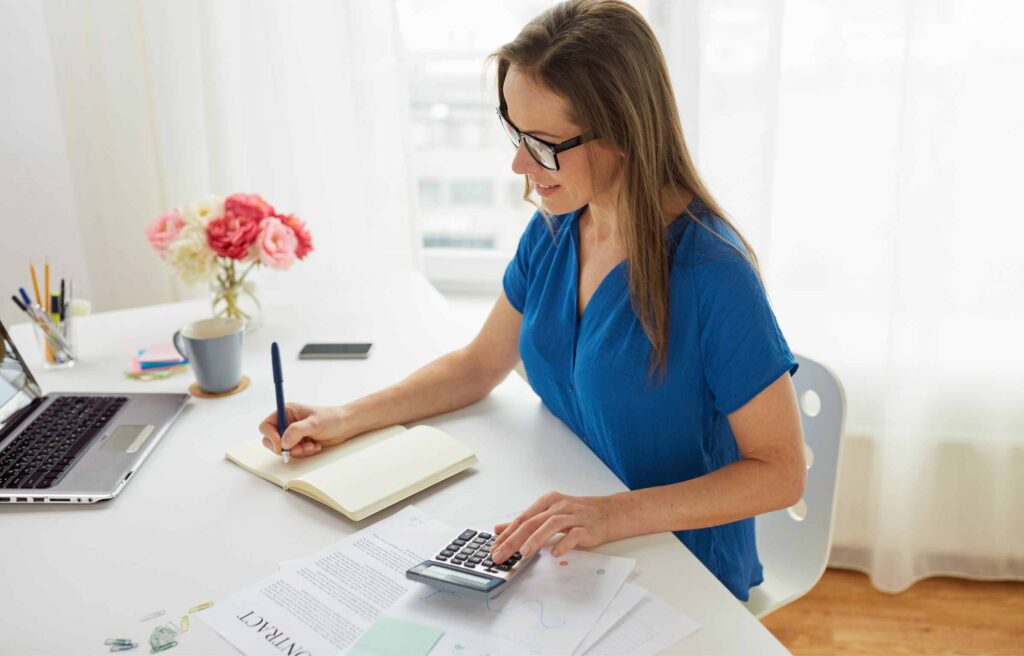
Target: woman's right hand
(310, 429)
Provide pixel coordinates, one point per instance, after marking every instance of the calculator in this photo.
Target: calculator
(465, 566)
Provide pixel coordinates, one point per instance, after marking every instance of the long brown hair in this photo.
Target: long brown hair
(603, 58)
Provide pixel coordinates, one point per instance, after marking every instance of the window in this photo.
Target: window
(470, 205)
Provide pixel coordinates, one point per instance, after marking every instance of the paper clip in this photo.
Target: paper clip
(163, 637)
(152, 615)
(196, 609)
(128, 647)
(118, 642)
(184, 624)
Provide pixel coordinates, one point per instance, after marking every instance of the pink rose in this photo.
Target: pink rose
(301, 233)
(277, 244)
(249, 205)
(164, 230)
(233, 235)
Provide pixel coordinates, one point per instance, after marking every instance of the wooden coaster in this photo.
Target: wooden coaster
(194, 390)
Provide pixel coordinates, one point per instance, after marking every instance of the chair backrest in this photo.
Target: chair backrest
(794, 543)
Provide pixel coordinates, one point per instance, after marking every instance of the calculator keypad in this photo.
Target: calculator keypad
(473, 550)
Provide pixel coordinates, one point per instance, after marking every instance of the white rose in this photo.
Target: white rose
(191, 256)
(203, 211)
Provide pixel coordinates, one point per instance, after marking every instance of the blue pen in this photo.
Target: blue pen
(282, 417)
(24, 296)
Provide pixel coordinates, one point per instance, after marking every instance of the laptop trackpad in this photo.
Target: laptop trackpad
(128, 437)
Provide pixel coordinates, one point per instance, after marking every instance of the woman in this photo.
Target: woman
(636, 308)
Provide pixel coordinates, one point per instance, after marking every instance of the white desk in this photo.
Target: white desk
(192, 527)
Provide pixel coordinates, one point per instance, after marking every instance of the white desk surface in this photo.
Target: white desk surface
(192, 527)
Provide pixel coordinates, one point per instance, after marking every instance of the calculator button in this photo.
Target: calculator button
(503, 567)
(488, 563)
(460, 557)
(441, 558)
(468, 552)
(469, 565)
(485, 535)
(458, 542)
(492, 571)
(467, 534)
(475, 560)
(517, 555)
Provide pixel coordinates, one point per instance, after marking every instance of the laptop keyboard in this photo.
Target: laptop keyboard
(48, 446)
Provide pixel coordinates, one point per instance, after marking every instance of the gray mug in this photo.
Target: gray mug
(214, 350)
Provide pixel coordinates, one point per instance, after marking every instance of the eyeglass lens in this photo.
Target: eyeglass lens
(540, 153)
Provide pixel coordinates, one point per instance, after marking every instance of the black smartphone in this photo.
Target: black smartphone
(334, 351)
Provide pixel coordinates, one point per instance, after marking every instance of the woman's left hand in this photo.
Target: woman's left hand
(585, 521)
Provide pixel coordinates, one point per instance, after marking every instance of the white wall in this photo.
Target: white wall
(37, 209)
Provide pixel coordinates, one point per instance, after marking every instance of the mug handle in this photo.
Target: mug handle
(179, 346)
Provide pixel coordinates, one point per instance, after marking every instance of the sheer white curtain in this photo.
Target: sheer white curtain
(872, 152)
(166, 101)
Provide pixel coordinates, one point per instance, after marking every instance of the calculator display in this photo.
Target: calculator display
(454, 575)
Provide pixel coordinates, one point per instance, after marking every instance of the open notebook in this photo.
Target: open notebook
(365, 474)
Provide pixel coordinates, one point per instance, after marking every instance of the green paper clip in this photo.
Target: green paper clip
(117, 641)
(127, 647)
(164, 647)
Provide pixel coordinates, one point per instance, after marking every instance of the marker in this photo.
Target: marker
(282, 417)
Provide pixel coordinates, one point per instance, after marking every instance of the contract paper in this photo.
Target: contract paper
(323, 604)
(549, 609)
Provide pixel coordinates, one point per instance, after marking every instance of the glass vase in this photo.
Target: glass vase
(234, 294)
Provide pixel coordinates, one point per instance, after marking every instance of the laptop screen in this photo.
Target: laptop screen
(17, 386)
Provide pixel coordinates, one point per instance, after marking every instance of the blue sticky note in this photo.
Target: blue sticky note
(390, 636)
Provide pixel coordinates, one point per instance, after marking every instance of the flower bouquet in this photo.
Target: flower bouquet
(221, 240)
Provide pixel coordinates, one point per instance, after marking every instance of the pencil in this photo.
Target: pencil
(46, 307)
(35, 282)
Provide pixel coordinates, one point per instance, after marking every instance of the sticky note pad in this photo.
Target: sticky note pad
(390, 636)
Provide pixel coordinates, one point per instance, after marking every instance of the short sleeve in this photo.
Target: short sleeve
(517, 273)
(742, 348)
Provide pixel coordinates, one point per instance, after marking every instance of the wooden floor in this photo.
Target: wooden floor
(843, 614)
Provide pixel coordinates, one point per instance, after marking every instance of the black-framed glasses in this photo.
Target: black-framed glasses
(543, 152)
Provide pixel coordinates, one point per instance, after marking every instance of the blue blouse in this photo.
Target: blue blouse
(724, 347)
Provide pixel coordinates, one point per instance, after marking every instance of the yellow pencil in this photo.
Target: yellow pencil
(46, 308)
(35, 283)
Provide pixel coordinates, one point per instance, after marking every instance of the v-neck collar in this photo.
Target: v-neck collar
(575, 227)
(673, 229)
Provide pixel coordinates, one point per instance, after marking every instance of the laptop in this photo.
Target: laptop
(72, 447)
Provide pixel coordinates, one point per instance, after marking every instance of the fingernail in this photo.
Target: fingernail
(525, 550)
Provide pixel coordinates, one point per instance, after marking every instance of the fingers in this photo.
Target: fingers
(531, 535)
(539, 506)
(303, 449)
(572, 539)
(271, 439)
(304, 428)
(306, 448)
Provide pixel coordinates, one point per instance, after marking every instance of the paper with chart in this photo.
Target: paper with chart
(549, 608)
(649, 628)
(629, 596)
(324, 603)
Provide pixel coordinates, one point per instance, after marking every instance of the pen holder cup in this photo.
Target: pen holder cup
(56, 344)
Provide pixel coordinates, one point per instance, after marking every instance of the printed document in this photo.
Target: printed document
(321, 605)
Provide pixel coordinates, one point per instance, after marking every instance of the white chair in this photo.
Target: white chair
(794, 543)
